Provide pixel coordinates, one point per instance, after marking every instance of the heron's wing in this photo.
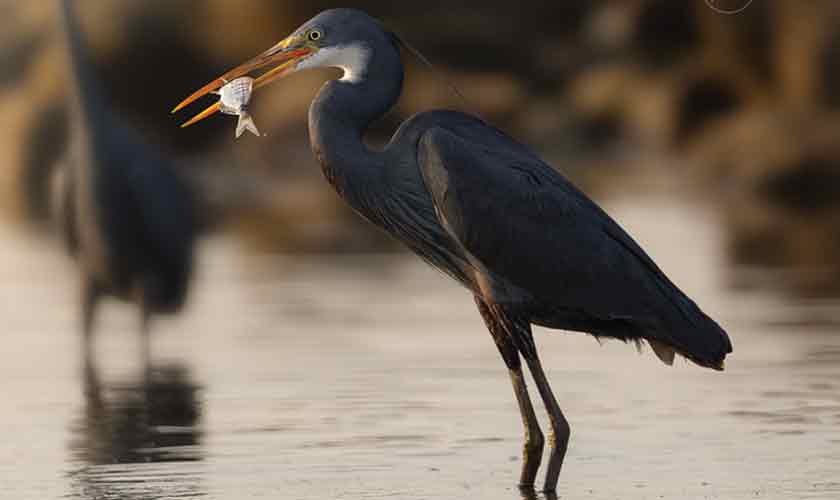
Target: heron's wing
(161, 204)
(526, 224)
(164, 207)
(163, 220)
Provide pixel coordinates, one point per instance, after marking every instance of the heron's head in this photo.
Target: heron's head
(339, 38)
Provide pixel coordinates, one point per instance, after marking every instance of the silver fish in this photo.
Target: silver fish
(235, 96)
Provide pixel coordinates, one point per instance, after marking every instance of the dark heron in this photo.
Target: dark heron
(487, 211)
(125, 214)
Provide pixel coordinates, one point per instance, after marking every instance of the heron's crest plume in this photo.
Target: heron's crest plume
(400, 42)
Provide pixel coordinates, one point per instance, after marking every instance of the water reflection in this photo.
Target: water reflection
(152, 420)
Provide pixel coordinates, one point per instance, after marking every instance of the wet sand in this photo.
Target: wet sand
(373, 377)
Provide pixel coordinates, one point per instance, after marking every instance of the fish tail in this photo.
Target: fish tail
(246, 123)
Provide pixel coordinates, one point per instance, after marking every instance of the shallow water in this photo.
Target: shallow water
(373, 377)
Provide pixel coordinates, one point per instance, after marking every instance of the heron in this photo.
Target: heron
(487, 211)
(124, 213)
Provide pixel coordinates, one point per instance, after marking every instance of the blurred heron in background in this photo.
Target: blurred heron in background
(488, 212)
(125, 214)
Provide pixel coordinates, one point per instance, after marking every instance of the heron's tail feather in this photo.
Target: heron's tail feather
(663, 351)
(693, 334)
(246, 123)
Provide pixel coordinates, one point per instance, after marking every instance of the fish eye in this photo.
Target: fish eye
(315, 35)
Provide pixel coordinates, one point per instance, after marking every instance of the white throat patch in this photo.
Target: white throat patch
(352, 59)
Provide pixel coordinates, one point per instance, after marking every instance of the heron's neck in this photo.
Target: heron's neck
(87, 104)
(342, 112)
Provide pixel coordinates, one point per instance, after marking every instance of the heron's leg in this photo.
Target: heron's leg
(533, 447)
(90, 297)
(560, 431)
(534, 440)
(142, 294)
(145, 334)
(92, 387)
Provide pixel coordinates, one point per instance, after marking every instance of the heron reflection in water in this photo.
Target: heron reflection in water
(152, 418)
(487, 211)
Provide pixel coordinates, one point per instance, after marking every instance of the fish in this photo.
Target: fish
(234, 98)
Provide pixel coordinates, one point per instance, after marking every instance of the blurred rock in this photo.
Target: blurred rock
(781, 196)
(665, 33)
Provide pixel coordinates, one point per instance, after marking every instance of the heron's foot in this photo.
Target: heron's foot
(559, 443)
(528, 492)
(531, 494)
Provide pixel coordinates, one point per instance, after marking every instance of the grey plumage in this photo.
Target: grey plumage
(127, 216)
(484, 209)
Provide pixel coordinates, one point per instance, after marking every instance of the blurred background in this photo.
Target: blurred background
(624, 95)
(713, 138)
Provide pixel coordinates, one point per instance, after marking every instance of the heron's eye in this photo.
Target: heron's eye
(315, 35)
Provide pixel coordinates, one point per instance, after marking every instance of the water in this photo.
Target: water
(373, 377)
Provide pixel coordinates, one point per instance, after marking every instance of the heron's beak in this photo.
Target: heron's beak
(285, 55)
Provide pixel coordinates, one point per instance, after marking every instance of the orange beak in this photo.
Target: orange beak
(283, 54)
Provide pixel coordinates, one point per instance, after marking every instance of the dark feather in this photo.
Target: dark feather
(580, 269)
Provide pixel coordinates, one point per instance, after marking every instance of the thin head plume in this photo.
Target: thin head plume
(423, 59)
